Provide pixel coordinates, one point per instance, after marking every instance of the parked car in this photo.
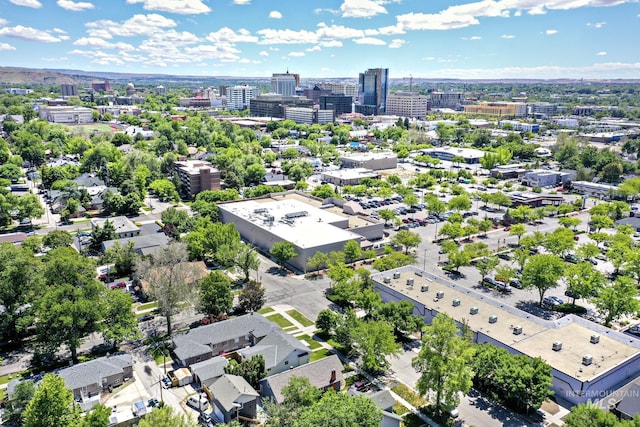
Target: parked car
(119, 285)
(571, 258)
(505, 256)
(146, 317)
(516, 283)
(552, 300)
(634, 330)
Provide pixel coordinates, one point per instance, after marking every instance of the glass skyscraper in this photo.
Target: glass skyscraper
(372, 91)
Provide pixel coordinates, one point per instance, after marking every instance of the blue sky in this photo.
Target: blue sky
(327, 38)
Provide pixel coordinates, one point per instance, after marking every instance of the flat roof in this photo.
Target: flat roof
(369, 156)
(193, 166)
(312, 228)
(457, 151)
(351, 173)
(538, 335)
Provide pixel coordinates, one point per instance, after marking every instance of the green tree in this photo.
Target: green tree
(317, 261)
(486, 265)
(617, 300)
(400, 316)
(323, 191)
(102, 234)
(216, 297)
(583, 280)
(52, 405)
(246, 260)
(590, 415)
(374, 342)
(165, 417)
(542, 272)
(352, 251)
(165, 190)
(341, 409)
(57, 238)
(407, 239)
(283, 251)
(120, 323)
(560, 241)
(170, 278)
(97, 417)
(251, 297)
(386, 215)
(444, 363)
(327, 321)
(600, 221)
(17, 403)
(460, 203)
(252, 369)
(517, 230)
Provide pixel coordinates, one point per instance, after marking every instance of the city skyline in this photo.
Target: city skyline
(484, 39)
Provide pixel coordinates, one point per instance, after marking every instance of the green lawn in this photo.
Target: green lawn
(399, 409)
(320, 354)
(265, 310)
(147, 306)
(409, 395)
(313, 344)
(5, 379)
(279, 320)
(300, 318)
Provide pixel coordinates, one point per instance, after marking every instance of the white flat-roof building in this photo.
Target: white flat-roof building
(587, 359)
(597, 189)
(348, 176)
(64, 114)
(470, 155)
(303, 220)
(374, 161)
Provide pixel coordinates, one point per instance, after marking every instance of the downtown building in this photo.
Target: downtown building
(284, 83)
(274, 105)
(373, 89)
(239, 97)
(408, 104)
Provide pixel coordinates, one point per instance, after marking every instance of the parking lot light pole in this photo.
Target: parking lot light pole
(424, 266)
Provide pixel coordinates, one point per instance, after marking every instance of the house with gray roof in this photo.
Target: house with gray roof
(233, 397)
(87, 380)
(242, 332)
(385, 401)
(324, 374)
(206, 372)
(142, 245)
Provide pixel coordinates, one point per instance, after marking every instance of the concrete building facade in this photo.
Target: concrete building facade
(373, 161)
(452, 100)
(63, 114)
(408, 104)
(339, 104)
(239, 97)
(274, 105)
(197, 176)
(68, 89)
(498, 109)
(283, 84)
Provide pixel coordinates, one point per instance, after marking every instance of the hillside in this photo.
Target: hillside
(27, 76)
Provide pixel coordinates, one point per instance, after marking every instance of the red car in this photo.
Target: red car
(119, 285)
(507, 228)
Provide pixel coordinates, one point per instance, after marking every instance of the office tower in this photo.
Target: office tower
(283, 84)
(407, 104)
(239, 97)
(373, 87)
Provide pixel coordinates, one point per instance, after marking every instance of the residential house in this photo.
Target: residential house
(208, 371)
(232, 398)
(124, 226)
(87, 380)
(142, 245)
(385, 401)
(324, 374)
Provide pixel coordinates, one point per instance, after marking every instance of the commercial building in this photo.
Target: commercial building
(604, 191)
(469, 155)
(520, 126)
(274, 105)
(64, 114)
(239, 97)
(535, 200)
(18, 91)
(315, 93)
(308, 116)
(341, 88)
(132, 99)
(498, 109)
(284, 84)
(373, 161)
(194, 102)
(373, 88)
(542, 109)
(68, 89)
(351, 176)
(339, 104)
(587, 359)
(101, 86)
(160, 90)
(310, 224)
(452, 100)
(546, 178)
(408, 104)
(197, 176)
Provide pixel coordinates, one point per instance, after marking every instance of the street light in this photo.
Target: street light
(424, 266)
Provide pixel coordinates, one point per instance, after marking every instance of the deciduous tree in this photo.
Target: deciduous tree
(215, 294)
(252, 296)
(52, 405)
(542, 272)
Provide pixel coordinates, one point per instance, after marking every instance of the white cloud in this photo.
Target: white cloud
(551, 32)
(64, 37)
(331, 11)
(371, 41)
(100, 43)
(361, 8)
(3, 21)
(271, 36)
(264, 53)
(396, 43)
(227, 35)
(59, 31)
(241, 2)
(137, 25)
(28, 33)
(337, 32)
(224, 53)
(297, 54)
(244, 61)
(472, 38)
(75, 6)
(597, 25)
(438, 21)
(429, 58)
(182, 7)
(6, 46)
(508, 36)
(27, 3)
(331, 43)
(601, 53)
(598, 71)
(538, 10)
(274, 14)
(314, 49)
(390, 30)
(55, 59)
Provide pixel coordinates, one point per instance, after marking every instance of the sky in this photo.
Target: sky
(464, 39)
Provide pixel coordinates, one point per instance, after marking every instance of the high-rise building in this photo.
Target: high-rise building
(373, 87)
(161, 90)
(101, 86)
(68, 90)
(239, 97)
(451, 100)
(284, 84)
(338, 103)
(273, 105)
(407, 104)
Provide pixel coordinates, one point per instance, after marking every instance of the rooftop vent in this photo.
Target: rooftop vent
(456, 302)
(595, 339)
(587, 359)
(410, 282)
(440, 294)
(292, 215)
(557, 346)
(493, 318)
(517, 330)
(387, 279)
(473, 310)
(396, 274)
(260, 210)
(424, 288)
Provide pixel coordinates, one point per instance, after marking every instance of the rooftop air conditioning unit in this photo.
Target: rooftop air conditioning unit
(396, 274)
(440, 294)
(424, 288)
(410, 281)
(493, 318)
(587, 359)
(557, 346)
(595, 339)
(456, 302)
(473, 310)
(387, 279)
(517, 330)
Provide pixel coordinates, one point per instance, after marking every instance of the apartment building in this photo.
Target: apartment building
(197, 176)
(239, 97)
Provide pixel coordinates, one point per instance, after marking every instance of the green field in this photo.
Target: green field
(92, 128)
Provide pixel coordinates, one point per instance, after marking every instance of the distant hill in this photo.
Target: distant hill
(27, 76)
